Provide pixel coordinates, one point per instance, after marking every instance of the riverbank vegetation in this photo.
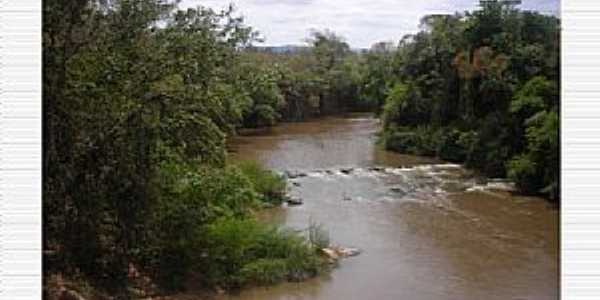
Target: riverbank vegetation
(480, 88)
(139, 98)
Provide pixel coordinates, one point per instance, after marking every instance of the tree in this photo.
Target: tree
(121, 95)
(481, 78)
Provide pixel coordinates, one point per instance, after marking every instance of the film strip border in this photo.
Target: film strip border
(580, 150)
(20, 149)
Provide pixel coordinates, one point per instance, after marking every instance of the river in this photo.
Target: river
(428, 229)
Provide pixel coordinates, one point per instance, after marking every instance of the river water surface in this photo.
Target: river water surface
(428, 229)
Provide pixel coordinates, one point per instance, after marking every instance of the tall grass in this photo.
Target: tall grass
(246, 252)
(317, 235)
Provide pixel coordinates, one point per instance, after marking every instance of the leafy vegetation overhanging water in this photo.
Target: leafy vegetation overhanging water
(139, 98)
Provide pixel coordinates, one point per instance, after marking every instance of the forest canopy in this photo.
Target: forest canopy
(140, 97)
(480, 88)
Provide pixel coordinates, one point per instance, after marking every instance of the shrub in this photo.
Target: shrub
(265, 271)
(404, 105)
(524, 172)
(403, 142)
(189, 200)
(450, 147)
(242, 252)
(262, 115)
(202, 223)
(468, 141)
(542, 149)
(427, 141)
(537, 94)
(419, 141)
(269, 185)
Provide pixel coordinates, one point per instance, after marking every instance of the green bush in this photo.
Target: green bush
(265, 271)
(262, 115)
(189, 200)
(203, 224)
(427, 141)
(468, 141)
(269, 185)
(524, 172)
(537, 94)
(418, 141)
(243, 252)
(400, 141)
(538, 169)
(404, 106)
(450, 147)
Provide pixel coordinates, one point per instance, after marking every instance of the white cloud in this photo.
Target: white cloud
(361, 22)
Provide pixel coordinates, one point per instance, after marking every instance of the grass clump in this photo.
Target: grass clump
(246, 252)
(318, 236)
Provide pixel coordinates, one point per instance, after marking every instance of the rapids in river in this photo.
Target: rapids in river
(428, 229)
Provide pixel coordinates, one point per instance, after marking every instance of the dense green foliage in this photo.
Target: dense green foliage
(249, 252)
(325, 78)
(139, 98)
(270, 186)
(479, 88)
(203, 225)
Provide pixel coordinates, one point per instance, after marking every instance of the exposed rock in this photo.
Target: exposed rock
(294, 201)
(347, 170)
(347, 252)
(397, 190)
(331, 254)
(294, 174)
(336, 252)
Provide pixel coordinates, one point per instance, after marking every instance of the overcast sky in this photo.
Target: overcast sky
(361, 22)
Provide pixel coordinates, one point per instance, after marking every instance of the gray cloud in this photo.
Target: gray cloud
(361, 22)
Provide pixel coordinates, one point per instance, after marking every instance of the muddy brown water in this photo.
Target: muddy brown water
(428, 229)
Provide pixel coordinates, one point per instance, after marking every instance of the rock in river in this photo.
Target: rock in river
(377, 169)
(330, 253)
(346, 170)
(335, 252)
(294, 201)
(347, 252)
(293, 174)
